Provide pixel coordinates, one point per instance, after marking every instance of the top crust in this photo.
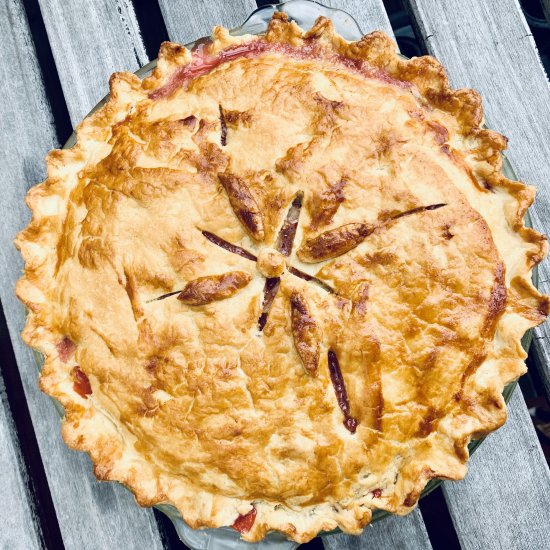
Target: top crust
(181, 400)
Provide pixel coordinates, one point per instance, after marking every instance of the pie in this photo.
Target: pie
(281, 282)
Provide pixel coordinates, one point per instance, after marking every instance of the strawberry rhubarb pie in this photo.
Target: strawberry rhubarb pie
(281, 282)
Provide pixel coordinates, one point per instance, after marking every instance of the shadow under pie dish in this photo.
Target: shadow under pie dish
(281, 282)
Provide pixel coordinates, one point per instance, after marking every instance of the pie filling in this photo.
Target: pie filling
(281, 282)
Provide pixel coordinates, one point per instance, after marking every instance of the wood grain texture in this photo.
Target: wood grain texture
(504, 501)
(488, 46)
(371, 15)
(390, 533)
(188, 20)
(90, 514)
(20, 527)
(90, 41)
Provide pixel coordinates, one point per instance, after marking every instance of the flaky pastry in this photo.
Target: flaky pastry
(282, 281)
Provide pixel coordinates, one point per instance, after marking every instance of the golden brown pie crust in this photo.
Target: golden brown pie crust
(405, 215)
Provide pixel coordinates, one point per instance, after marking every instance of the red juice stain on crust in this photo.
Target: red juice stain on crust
(189, 121)
(497, 301)
(66, 348)
(243, 524)
(445, 149)
(351, 424)
(441, 134)
(202, 63)
(81, 383)
(366, 69)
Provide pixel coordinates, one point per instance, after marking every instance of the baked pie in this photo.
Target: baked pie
(281, 282)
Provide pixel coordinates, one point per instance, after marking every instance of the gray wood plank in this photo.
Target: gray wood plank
(20, 527)
(504, 501)
(371, 16)
(393, 533)
(488, 46)
(90, 41)
(91, 515)
(191, 19)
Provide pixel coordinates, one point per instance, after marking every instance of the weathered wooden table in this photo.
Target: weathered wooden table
(49, 497)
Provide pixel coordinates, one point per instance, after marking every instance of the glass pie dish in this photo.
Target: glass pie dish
(304, 13)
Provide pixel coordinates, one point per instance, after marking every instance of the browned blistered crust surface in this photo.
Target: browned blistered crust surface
(190, 403)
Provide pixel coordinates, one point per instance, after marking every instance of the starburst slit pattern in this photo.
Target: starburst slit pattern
(325, 246)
